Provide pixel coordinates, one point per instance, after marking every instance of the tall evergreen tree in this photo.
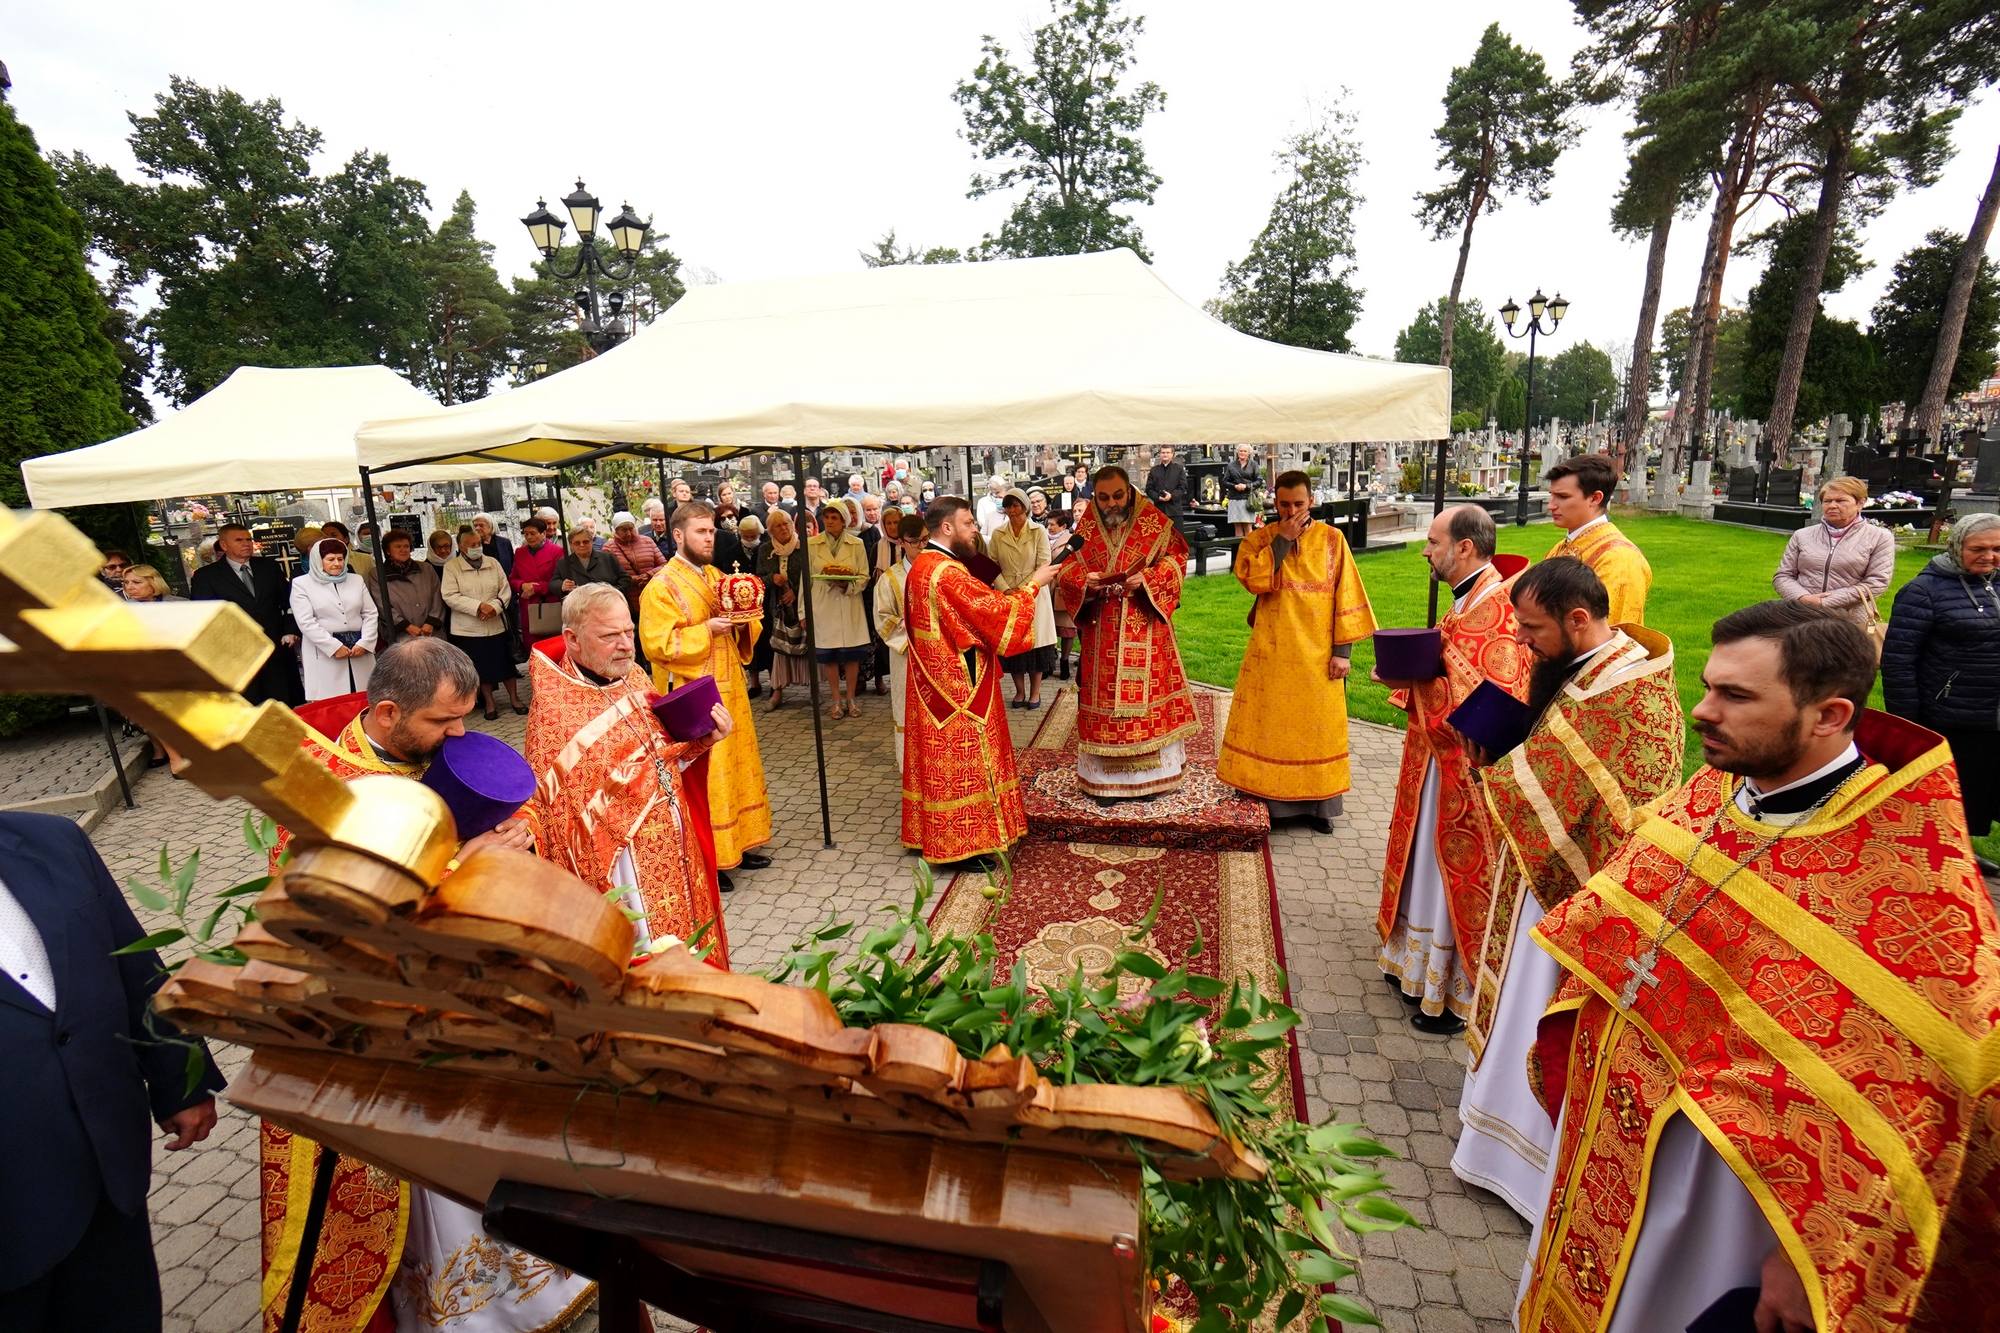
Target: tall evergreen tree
(1297, 283)
(1068, 130)
(467, 308)
(1479, 358)
(1952, 323)
(1905, 322)
(1505, 124)
(59, 372)
(257, 261)
(1842, 372)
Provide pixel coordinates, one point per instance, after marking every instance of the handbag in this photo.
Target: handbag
(1877, 629)
(544, 620)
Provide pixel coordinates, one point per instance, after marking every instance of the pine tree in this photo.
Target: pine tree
(467, 307)
(1296, 285)
(1505, 124)
(59, 372)
(1904, 324)
(1478, 359)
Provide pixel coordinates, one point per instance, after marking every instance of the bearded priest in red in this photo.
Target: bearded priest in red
(1437, 881)
(1776, 1061)
(610, 804)
(961, 791)
(1133, 712)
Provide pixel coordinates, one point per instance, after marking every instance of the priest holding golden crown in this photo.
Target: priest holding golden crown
(1286, 742)
(1776, 1061)
(685, 635)
(1134, 712)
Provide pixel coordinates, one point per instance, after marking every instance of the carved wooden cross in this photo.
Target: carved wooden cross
(172, 667)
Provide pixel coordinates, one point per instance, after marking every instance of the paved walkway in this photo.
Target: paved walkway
(1362, 1061)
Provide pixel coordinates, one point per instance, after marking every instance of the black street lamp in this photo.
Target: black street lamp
(1508, 314)
(628, 238)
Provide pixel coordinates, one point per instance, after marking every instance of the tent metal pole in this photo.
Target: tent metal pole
(968, 474)
(117, 759)
(381, 566)
(562, 519)
(661, 459)
(1437, 507)
(812, 660)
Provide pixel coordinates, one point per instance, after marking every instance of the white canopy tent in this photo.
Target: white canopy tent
(1084, 349)
(259, 430)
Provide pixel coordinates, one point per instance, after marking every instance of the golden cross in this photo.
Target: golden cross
(175, 668)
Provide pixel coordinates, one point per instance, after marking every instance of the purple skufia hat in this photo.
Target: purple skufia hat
(1494, 718)
(482, 779)
(683, 710)
(1409, 654)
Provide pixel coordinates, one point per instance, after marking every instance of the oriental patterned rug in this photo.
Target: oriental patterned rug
(1204, 813)
(1074, 904)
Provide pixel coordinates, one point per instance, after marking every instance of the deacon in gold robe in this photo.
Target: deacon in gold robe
(1579, 497)
(961, 791)
(1437, 880)
(384, 1244)
(1607, 739)
(1776, 1061)
(1286, 742)
(1134, 712)
(684, 636)
(610, 805)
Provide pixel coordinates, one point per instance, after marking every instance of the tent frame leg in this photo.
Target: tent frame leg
(384, 631)
(1437, 507)
(812, 665)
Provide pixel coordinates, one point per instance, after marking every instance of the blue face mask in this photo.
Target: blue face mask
(902, 472)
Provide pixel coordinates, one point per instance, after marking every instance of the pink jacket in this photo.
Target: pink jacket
(1863, 556)
(640, 559)
(535, 567)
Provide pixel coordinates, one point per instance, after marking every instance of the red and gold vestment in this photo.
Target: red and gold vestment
(1828, 1019)
(608, 781)
(961, 791)
(1132, 695)
(367, 1210)
(674, 612)
(1564, 801)
(1479, 644)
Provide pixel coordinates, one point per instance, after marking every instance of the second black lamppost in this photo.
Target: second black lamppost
(628, 238)
(1508, 314)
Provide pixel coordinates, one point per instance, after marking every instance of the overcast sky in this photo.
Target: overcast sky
(778, 139)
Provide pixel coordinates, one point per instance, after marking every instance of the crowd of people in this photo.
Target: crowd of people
(1633, 959)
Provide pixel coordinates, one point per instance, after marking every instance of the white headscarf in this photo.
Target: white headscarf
(318, 571)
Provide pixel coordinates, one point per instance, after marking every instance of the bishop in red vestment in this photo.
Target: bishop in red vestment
(1134, 712)
(961, 792)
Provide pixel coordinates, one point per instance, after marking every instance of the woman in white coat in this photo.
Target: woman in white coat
(1022, 547)
(838, 563)
(336, 619)
(891, 623)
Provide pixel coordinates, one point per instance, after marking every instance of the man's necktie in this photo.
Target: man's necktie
(249, 579)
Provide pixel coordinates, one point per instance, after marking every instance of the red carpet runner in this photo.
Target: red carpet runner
(1077, 896)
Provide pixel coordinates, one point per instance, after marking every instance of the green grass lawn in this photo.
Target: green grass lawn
(1701, 572)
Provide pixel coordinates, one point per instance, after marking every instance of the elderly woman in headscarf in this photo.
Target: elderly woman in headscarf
(1941, 661)
(1021, 547)
(636, 554)
(337, 623)
(781, 563)
(841, 634)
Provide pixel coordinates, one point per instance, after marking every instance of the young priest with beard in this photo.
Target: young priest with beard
(1607, 738)
(1773, 1061)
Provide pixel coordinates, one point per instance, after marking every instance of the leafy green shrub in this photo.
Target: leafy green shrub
(19, 712)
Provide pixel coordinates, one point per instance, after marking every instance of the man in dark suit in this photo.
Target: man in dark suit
(84, 1069)
(259, 586)
(1167, 485)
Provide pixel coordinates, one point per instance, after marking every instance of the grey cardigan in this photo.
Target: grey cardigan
(1863, 557)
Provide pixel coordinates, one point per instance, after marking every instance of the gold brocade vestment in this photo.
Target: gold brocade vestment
(1287, 734)
(674, 612)
(1828, 1020)
(1618, 564)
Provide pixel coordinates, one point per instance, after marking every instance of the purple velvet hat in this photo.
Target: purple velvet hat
(1409, 654)
(1493, 718)
(483, 781)
(683, 710)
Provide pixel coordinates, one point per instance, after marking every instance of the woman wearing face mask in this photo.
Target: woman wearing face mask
(475, 588)
(337, 623)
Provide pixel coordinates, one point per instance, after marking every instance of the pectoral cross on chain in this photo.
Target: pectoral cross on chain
(1642, 972)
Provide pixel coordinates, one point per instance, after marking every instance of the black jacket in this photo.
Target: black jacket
(1172, 479)
(83, 1085)
(729, 557)
(271, 608)
(1941, 660)
(603, 568)
(501, 549)
(1246, 475)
